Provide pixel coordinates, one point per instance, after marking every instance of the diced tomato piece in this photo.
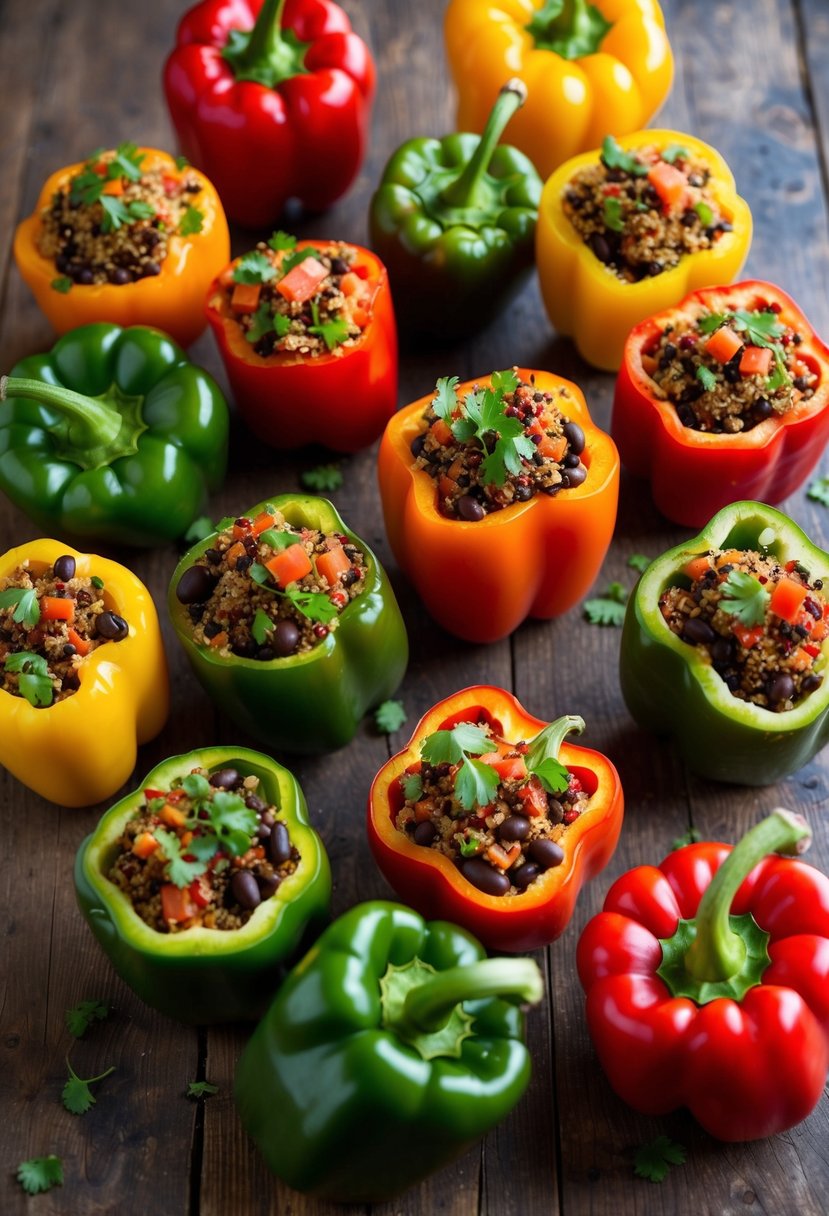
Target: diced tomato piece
(508, 768)
(756, 361)
(441, 432)
(730, 558)
(218, 640)
(200, 892)
(176, 904)
(262, 522)
(245, 297)
(351, 283)
(150, 794)
(289, 565)
(553, 449)
(697, 568)
(332, 564)
(52, 608)
(234, 552)
(174, 796)
(786, 600)
(746, 636)
(172, 816)
(723, 344)
(534, 797)
(814, 651)
(501, 857)
(423, 809)
(81, 645)
(170, 183)
(670, 184)
(144, 845)
(447, 487)
(302, 281)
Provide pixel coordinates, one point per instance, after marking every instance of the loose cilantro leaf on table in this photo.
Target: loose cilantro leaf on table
(79, 1019)
(201, 1089)
(323, 477)
(390, 716)
(818, 490)
(77, 1096)
(655, 1159)
(40, 1174)
(638, 561)
(608, 609)
(744, 597)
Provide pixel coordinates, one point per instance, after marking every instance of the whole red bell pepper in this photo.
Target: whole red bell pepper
(707, 982)
(272, 100)
(430, 881)
(694, 473)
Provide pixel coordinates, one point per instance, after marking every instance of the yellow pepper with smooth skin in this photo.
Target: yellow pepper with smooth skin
(82, 749)
(587, 301)
(585, 66)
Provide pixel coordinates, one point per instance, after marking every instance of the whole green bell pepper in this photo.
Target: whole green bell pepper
(671, 689)
(312, 701)
(113, 435)
(202, 975)
(388, 1050)
(453, 220)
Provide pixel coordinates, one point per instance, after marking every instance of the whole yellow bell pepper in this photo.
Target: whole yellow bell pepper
(587, 301)
(584, 65)
(82, 749)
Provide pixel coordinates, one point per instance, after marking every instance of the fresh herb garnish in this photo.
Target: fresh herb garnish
(294, 259)
(182, 163)
(27, 611)
(313, 604)
(390, 716)
(281, 240)
(655, 1159)
(192, 221)
(445, 401)
(503, 440)
(333, 332)
(818, 491)
(412, 786)
(261, 627)
(744, 597)
(278, 540)
(198, 530)
(711, 321)
(79, 1019)
(265, 320)
(761, 328)
(62, 284)
(475, 782)
(201, 1089)
(706, 378)
(97, 581)
(323, 477)
(706, 215)
(612, 214)
(615, 157)
(254, 267)
(40, 1174)
(126, 162)
(34, 681)
(180, 872)
(673, 153)
(117, 212)
(608, 609)
(638, 561)
(542, 758)
(690, 837)
(470, 846)
(76, 1095)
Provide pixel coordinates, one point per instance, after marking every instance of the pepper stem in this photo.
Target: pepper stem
(717, 953)
(92, 423)
(570, 28)
(463, 191)
(266, 36)
(429, 1005)
(267, 54)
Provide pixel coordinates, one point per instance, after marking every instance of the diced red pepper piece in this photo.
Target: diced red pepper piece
(756, 361)
(289, 565)
(176, 904)
(52, 608)
(302, 281)
(697, 568)
(723, 344)
(200, 892)
(747, 636)
(552, 449)
(144, 845)
(245, 297)
(331, 564)
(786, 599)
(262, 522)
(508, 768)
(534, 797)
(81, 645)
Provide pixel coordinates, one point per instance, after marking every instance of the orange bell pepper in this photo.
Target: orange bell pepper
(536, 558)
(172, 300)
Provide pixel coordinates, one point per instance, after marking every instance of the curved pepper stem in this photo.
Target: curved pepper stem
(92, 423)
(267, 54)
(430, 1004)
(570, 28)
(463, 192)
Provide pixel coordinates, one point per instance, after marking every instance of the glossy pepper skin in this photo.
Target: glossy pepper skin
(586, 301)
(272, 100)
(113, 435)
(578, 71)
(311, 702)
(535, 558)
(670, 690)
(431, 882)
(201, 975)
(386, 1052)
(342, 399)
(83, 749)
(695, 473)
(725, 1014)
(172, 300)
(454, 221)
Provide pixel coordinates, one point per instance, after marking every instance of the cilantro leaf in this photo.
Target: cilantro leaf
(444, 746)
(390, 716)
(608, 609)
(638, 561)
(313, 604)
(333, 332)
(34, 681)
(40, 1174)
(745, 598)
(471, 846)
(711, 321)
(706, 215)
(277, 540)
(117, 212)
(612, 214)
(196, 787)
(690, 837)
(412, 786)
(674, 152)
(182, 163)
(615, 157)
(261, 627)
(761, 328)
(79, 1019)
(504, 382)
(86, 188)
(201, 1089)
(475, 783)
(76, 1095)
(62, 283)
(323, 477)
(818, 490)
(232, 821)
(261, 322)
(655, 1159)
(280, 240)
(180, 872)
(254, 267)
(553, 775)
(198, 530)
(542, 756)
(294, 259)
(483, 414)
(706, 378)
(192, 221)
(27, 610)
(780, 376)
(445, 401)
(126, 162)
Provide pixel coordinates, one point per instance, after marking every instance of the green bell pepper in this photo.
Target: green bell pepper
(312, 701)
(453, 220)
(388, 1050)
(671, 689)
(113, 435)
(202, 975)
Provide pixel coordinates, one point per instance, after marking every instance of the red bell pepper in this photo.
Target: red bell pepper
(431, 882)
(342, 398)
(695, 473)
(272, 100)
(707, 982)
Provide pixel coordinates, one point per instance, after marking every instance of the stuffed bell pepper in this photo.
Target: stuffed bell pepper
(499, 497)
(706, 982)
(629, 229)
(272, 99)
(725, 396)
(454, 221)
(391, 1048)
(724, 647)
(83, 676)
(307, 334)
(112, 435)
(129, 236)
(289, 622)
(490, 819)
(580, 61)
(203, 883)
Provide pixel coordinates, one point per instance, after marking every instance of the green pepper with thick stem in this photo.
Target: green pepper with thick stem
(672, 689)
(113, 435)
(453, 220)
(197, 974)
(392, 1046)
(311, 701)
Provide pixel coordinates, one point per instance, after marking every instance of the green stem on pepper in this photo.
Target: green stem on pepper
(570, 28)
(93, 423)
(464, 192)
(267, 54)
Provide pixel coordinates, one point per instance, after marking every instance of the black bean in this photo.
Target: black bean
(267, 884)
(482, 875)
(119, 276)
(524, 875)
(696, 631)
(801, 383)
(265, 654)
(68, 650)
(731, 372)
(780, 688)
(255, 803)
(150, 269)
(470, 509)
(670, 351)
(245, 647)
(762, 408)
(574, 477)
(571, 461)
(721, 652)
(195, 585)
(424, 833)
(546, 852)
(245, 890)
(338, 266)
(213, 556)
(655, 268)
(732, 681)
(263, 831)
(417, 444)
(150, 238)
(224, 779)
(574, 436)
(523, 493)
(195, 612)
(111, 626)
(514, 827)
(811, 682)
(279, 843)
(64, 568)
(85, 277)
(600, 247)
(285, 638)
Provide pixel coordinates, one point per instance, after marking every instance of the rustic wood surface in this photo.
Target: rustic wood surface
(752, 79)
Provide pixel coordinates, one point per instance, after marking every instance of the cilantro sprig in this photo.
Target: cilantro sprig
(615, 157)
(34, 681)
(79, 1019)
(314, 604)
(333, 331)
(191, 222)
(653, 1160)
(201, 1089)
(761, 328)
(475, 782)
(265, 320)
(40, 1174)
(608, 609)
(220, 821)
(706, 378)
(76, 1095)
(745, 597)
(254, 267)
(27, 607)
(482, 417)
(818, 491)
(612, 214)
(542, 758)
(324, 477)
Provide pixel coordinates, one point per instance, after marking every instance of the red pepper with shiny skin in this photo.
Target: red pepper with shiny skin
(694, 474)
(707, 982)
(272, 100)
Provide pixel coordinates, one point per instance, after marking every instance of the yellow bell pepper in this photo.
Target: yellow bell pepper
(584, 66)
(587, 301)
(82, 749)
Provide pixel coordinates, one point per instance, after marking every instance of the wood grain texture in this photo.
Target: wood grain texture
(755, 85)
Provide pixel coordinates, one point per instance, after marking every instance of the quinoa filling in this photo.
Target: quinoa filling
(113, 221)
(759, 624)
(266, 590)
(498, 445)
(311, 301)
(729, 371)
(641, 212)
(49, 623)
(207, 852)
(497, 819)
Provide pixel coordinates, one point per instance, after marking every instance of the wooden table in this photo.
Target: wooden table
(752, 80)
